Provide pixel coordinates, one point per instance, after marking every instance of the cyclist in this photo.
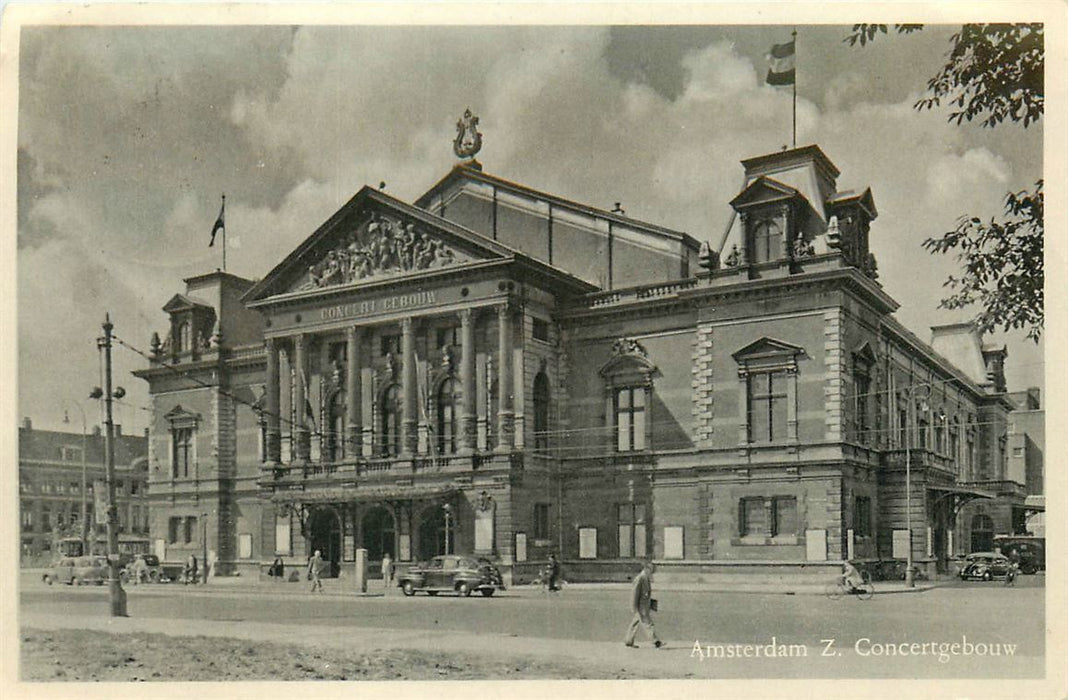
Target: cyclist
(850, 577)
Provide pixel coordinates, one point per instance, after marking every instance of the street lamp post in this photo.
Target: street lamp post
(448, 516)
(910, 412)
(116, 594)
(204, 550)
(85, 482)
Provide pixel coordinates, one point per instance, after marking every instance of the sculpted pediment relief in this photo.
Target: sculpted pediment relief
(382, 246)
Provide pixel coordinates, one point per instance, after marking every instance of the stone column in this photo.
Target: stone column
(505, 413)
(409, 421)
(467, 373)
(301, 443)
(273, 405)
(353, 398)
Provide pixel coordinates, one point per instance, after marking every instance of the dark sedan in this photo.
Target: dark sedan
(985, 566)
(451, 573)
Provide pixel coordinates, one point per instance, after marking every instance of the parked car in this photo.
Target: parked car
(151, 568)
(985, 566)
(453, 573)
(75, 571)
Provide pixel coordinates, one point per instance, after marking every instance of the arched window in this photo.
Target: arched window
(767, 241)
(448, 425)
(391, 420)
(541, 412)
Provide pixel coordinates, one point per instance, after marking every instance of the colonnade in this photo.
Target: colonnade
(357, 430)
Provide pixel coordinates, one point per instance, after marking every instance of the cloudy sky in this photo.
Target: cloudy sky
(127, 136)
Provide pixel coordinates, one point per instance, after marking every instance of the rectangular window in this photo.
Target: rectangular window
(752, 519)
(189, 529)
(448, 337)
(785, 509)
(767, 406)
(862, 516)
(391, 344)
(630, 419)
(541, 330)
(173, 526)
(71, 454)
(631, 528)
(862, 387)
(587, 542)
(135, 487)
(46, 519)
(902, 427)
(27, 516)
(541, 521)
(182, 453)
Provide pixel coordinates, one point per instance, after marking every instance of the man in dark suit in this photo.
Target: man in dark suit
(642, 603)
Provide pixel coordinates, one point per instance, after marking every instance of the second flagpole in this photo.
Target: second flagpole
(794, 35)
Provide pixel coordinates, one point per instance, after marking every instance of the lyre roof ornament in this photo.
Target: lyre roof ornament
(468, 140)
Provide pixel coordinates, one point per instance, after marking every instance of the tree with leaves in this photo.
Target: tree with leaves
(993, 72)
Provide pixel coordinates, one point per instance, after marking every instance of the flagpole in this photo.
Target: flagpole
(794, 34)
(224, 206)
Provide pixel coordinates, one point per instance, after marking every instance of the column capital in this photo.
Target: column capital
(466, 315)
(505, 308)
(406, 324)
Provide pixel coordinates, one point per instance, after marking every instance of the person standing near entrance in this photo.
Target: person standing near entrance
(642, 605)
(315, 567)
(387, 572)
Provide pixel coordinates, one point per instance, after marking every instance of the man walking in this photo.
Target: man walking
(315, 565)
(642, 604)
(387, 573)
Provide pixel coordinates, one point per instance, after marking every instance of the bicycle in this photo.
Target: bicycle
(839, 588)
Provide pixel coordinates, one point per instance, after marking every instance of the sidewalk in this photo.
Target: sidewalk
(344, 587)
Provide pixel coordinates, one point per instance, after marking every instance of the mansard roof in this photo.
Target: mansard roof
(465, 172)
(370, 218)
(865, 199)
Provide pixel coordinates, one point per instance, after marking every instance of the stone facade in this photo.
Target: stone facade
(512, 397)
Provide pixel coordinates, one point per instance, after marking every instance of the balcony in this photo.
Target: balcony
(388, 469)
(920, 458)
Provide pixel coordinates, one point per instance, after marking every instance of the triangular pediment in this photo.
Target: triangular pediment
(767, 348)
(375, 237)
(763, 190)
(865, 354)
(180, 302)
(179, 417)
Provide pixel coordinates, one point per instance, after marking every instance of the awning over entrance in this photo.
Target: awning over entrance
(378, 493)
(1036, 504)
(963, 490)
(959, 495)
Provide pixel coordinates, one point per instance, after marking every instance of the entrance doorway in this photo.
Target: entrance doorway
(324, 534)
(982, 533)
(432, 532)
(378, 533)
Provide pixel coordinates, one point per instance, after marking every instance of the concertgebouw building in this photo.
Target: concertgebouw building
(500, 371)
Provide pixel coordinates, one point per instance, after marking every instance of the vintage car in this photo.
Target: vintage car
(453, 573)
(984, 566)
(75, 571)
(151, 571)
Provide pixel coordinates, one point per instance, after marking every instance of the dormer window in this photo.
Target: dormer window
(767, 240)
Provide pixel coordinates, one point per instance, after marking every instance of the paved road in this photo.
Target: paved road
(584, 619)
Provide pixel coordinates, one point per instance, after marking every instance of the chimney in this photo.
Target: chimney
(27, 424)
(994, 358)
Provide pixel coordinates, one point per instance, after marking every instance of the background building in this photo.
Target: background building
(51, 468)
(502, 371)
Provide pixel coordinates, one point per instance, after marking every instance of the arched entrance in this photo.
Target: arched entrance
(324, 534)
(378, 533)
(982, 533)
(432, 532)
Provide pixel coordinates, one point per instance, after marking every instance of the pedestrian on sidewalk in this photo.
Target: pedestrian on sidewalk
(642, 604)
(387, 573)
(191, 569)
(554, 573)
(315, 565)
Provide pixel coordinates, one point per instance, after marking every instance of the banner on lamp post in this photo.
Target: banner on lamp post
(100, 502)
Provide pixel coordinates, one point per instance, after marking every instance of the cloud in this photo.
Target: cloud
(129, 135)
